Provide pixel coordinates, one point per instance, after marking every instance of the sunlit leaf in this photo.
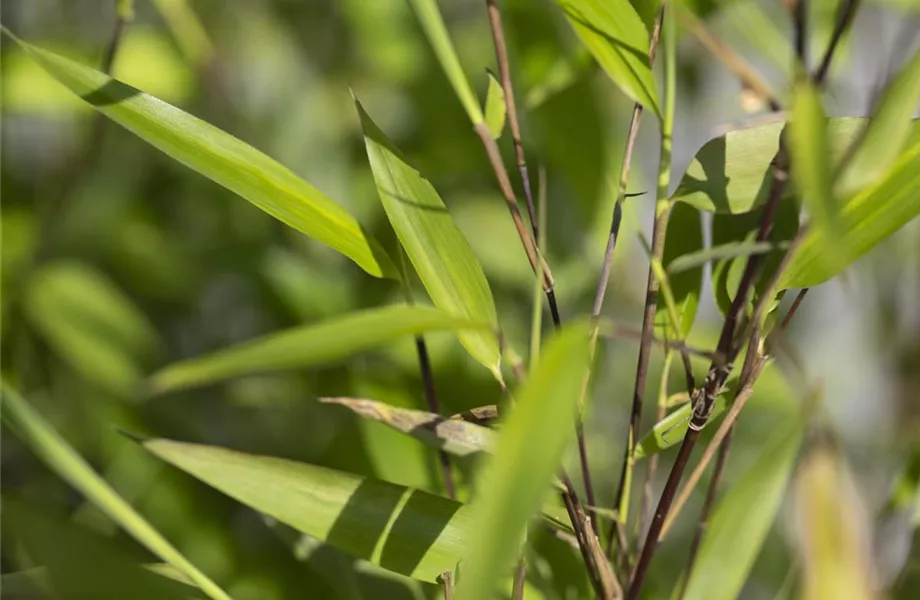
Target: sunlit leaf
(308, 345)
(832, 531)
(495, 107)
(886, 132)
(440, 253)
(684, 237)
(692, 260)
(731, 173)
(222, 158)
(78, 564)
(743, 517)
(91, 324)
(455, 436)
(528, 452)
(670, 430)
(616, 36)
(401, 529)
(54, 451)
(866, 219)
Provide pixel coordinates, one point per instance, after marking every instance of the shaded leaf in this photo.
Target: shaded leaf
(308, 345)
(684, 237)
(670, 430)
(455, 436)
(222, 158)
(439, 252)
(743, 517)
(79, 564)
(528, 452)
(91, 324)
(55, 452)
(866, 219)
(832, 531)
(731, 173)
(616, 36)
(401, 529)
(692, 260)
(495, 107)
(886, 132)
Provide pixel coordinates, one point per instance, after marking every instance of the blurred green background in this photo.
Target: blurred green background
(117, 260)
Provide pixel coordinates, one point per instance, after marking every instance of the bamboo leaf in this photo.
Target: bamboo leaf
(455, 436)
(91, 324)
(222, 158)
(692, 260)
(832, 531)
(78, 564)
(616, 36)
(438, 250)
(527, 454)
(496, 109)
(54, 451)
(886, 132)
(684, 237)
(670, 430)
(865, 220)
(433, 24)
(743, 517)
(398, 528)
(731, 172)
(308, 345)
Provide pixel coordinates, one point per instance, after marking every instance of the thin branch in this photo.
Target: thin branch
(844, 19)
(504, 74)
(800, 27)
(734, 63)
(434, 407)
(646, 510)
(448, 585)
(794, 308)
(520, 577)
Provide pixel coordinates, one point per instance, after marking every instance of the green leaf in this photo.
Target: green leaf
(832, 531)
(439, 252)
(527, 454)
(670, 430)
(886, 132)
(401, 529)
(866, 219)
(455, 436)
(308, 345)
(692, 260)
(743, 517)
(222, 158)
(91, 324)
(436, 32)
(78, 564)
(684, 237)
(616, 36)
(731, 173)
(495, 108)
(54, 451)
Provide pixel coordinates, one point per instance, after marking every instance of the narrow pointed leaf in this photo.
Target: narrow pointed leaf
(438, 250)
(54, 451)
(670, 430)
(866, 219)
(886, 132)
(433, 24)
(455, 436)
(692, 260)
(398, 528)
(222, 158)
(495, 108)
(743, 517)
(308, 345)
(616, 36)
(684, 237)
(731, 172)
(832, 532)
(528, 452)
(80, 564)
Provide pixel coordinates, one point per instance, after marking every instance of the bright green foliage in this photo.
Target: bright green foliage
(454, 436)
(401, 529)
(495, 107)
(670, 430)
(439, 252)
(91, 324)
(55, 452)
(308, 345)
(222, 158)
(527, 454)
(691, 260)
(743, 516)
(617, 38)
